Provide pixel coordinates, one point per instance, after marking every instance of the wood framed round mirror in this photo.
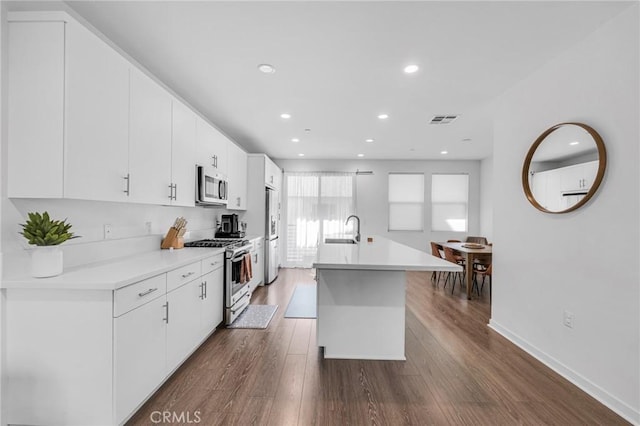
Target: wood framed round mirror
(564, 168)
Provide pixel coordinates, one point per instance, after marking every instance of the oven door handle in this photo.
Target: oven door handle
(239, 256)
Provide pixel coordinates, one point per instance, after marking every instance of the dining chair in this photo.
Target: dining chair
(435, 251)
(459, 257)
(479, 240)
(451, 257)
(485, 273)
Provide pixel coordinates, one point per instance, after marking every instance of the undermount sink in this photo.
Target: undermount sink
(339, 241)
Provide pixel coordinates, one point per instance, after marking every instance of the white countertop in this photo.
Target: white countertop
(116, 273)
(381, 254)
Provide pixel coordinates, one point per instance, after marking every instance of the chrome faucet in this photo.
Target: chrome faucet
(358, 220)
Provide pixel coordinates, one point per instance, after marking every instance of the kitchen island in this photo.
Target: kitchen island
(361, 296)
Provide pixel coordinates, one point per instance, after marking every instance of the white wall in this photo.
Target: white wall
(587, 261)
(372, 194)
(486, 198)
(3, 134)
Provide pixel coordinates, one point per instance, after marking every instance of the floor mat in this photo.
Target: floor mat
(302, 303)
(255, 316)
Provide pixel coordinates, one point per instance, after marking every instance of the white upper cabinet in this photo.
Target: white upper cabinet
(272, 174)
(237, 178)
(94, 125)
(212, 147)
(149, 141)
(578, 177)
(97, 118)
(36, 115)
(183, 156)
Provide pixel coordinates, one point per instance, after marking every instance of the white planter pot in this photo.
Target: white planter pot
(46, 261)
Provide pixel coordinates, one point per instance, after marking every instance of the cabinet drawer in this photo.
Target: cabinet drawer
(183, 275)
(130, 297)
(212, 263)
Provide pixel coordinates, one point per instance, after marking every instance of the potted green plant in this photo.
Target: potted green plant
(46, 235)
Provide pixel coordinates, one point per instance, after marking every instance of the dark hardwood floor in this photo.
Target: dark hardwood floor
(457, 372)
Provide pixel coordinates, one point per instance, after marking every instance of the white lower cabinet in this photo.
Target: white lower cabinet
(212, 301)
(107, 351)
(139, 340)
(257, 263)
(183, 323)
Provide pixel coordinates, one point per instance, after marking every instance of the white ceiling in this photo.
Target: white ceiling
(339, 65)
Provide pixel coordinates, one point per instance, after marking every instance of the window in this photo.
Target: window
(318, 205)
(406, 201)
(449, 202)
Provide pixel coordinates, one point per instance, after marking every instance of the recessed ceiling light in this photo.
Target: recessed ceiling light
(383, 116)
(444, 152)
(360, 155)
(285, 115)
(266, 68)
(301, 155)
(369, 140)
(410, 69)
(574, 143)
(295, 140)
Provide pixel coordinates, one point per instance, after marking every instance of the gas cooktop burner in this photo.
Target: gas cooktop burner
(215, 243)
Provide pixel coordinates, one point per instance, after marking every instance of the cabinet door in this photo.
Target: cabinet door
(183, 326)
(589, 172)
(272, 172)
(212, 303)
(570, 178)
(212, 147)
(36, 116)
(183, 146)
(258, 269)
(237, 178)
(139, 345)
(97, 118)
(149, 141)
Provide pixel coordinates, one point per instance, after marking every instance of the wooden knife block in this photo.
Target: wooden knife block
(172, 240)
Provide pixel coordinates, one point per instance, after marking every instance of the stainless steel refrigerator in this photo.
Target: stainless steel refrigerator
(271, 237)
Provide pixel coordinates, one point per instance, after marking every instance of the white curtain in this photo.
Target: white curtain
(317, 206)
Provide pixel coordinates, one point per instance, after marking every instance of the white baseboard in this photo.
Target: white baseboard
(619, 407)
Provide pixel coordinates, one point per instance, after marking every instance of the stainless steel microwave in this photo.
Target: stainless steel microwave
(211, 187)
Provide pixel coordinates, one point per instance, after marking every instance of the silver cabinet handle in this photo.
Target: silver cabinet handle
(238, 202)
(173, 191)
(187, 275)
(205, 289)
(144, 293)
(201, 291)
(128, 179)
(166, 312)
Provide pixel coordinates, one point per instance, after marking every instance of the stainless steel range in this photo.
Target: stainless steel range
(236, 287)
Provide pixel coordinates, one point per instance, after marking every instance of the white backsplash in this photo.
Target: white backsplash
(128, 223)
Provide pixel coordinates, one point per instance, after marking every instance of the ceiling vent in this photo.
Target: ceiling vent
(443, 119)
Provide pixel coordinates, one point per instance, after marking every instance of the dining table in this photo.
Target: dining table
(470, 252)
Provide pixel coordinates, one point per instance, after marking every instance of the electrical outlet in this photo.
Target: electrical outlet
(147, 227)
(567, 319)
(107, 231)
